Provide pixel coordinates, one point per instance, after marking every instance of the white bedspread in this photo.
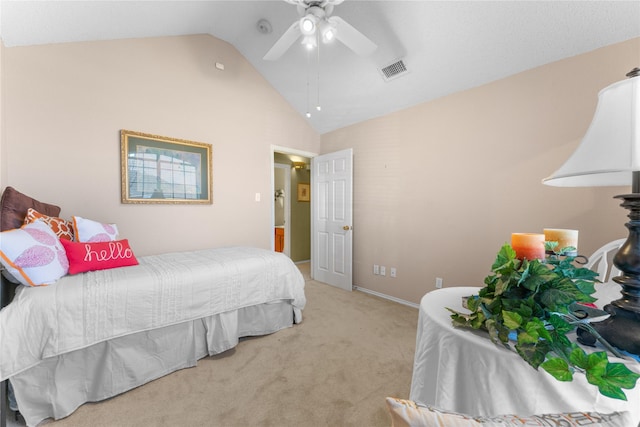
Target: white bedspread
(85, 309)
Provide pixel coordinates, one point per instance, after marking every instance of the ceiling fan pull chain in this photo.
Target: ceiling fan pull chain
(308, 114)
(318, 106)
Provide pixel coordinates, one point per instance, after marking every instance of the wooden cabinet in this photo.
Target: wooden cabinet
(279, 239)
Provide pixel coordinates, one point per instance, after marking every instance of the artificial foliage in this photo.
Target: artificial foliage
(527, 307)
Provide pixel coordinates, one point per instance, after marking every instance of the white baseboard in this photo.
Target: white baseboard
(385, 296)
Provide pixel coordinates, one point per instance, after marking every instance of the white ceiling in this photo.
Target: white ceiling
(448, 46)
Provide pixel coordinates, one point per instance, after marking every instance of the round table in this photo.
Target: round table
(461, 370)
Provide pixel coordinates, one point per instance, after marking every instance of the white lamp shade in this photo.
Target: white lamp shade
(610, 150)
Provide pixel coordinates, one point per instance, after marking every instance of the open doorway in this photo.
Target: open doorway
(291, 214)
(323, 188)
(282, 205)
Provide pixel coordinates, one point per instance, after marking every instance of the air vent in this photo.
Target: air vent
(394, 70)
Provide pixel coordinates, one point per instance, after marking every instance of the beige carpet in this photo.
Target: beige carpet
(334, 369)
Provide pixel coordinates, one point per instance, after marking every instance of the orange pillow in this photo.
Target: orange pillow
(62, 228)
(86, 256)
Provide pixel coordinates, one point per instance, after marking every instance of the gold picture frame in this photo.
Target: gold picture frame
(159, 169)
(304, 192)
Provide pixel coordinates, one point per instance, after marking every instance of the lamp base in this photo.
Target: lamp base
(622, 329)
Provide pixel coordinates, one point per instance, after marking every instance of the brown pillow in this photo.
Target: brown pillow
(14, 206)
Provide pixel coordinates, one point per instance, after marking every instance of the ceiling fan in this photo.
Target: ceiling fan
(317, 23)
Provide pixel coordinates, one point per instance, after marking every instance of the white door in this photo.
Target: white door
(331, 222)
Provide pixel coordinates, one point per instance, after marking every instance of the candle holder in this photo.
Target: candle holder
(578, 259)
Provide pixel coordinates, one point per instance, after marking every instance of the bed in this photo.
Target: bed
(93, 335)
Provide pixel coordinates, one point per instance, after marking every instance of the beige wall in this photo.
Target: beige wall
(438, 188)
(66, 103)
(3, 157)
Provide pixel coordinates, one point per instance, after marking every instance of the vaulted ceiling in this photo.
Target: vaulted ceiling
(446, 46)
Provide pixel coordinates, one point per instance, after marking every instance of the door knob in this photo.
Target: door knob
(346, 228)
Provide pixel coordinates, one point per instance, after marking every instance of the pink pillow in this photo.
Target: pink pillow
(33, 254)
(85, 256)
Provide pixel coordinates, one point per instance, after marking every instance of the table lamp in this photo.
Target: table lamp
(609, 155)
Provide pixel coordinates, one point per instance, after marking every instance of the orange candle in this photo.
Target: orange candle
(565, 238)
(528, 245)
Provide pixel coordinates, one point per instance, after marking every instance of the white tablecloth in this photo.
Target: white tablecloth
(461, 370)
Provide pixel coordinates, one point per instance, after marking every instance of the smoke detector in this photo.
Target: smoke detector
(264, 26)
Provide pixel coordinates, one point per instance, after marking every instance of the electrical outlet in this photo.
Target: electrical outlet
(383, 270)
(392, 273)
(376, 269)
(438, 282)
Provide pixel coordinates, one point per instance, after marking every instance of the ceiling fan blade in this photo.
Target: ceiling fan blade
(352, 38)
(284, 43)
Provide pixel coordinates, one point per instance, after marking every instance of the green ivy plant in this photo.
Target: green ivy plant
(531, 301)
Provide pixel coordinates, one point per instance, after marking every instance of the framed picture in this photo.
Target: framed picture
(158, 169)
(304, 192)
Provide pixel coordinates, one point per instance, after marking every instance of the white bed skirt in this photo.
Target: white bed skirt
(59, 385)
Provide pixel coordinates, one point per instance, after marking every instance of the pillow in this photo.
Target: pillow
(85, 256)
(87, 230)
(62, 228)
(14, 206)
(33, 254)
(406, 413)
(8, 276)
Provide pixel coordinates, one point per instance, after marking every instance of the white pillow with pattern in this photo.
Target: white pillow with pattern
(406, 413)
(90, 231)
(33, 254)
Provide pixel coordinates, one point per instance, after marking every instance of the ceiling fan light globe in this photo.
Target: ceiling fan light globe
(309, 42)
(329, 35)
(308, 25)
(327, 31)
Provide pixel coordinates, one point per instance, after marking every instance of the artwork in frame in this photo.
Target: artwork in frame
(159, 169)
(304, 192)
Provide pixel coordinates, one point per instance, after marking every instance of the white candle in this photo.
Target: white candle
(565, 238)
